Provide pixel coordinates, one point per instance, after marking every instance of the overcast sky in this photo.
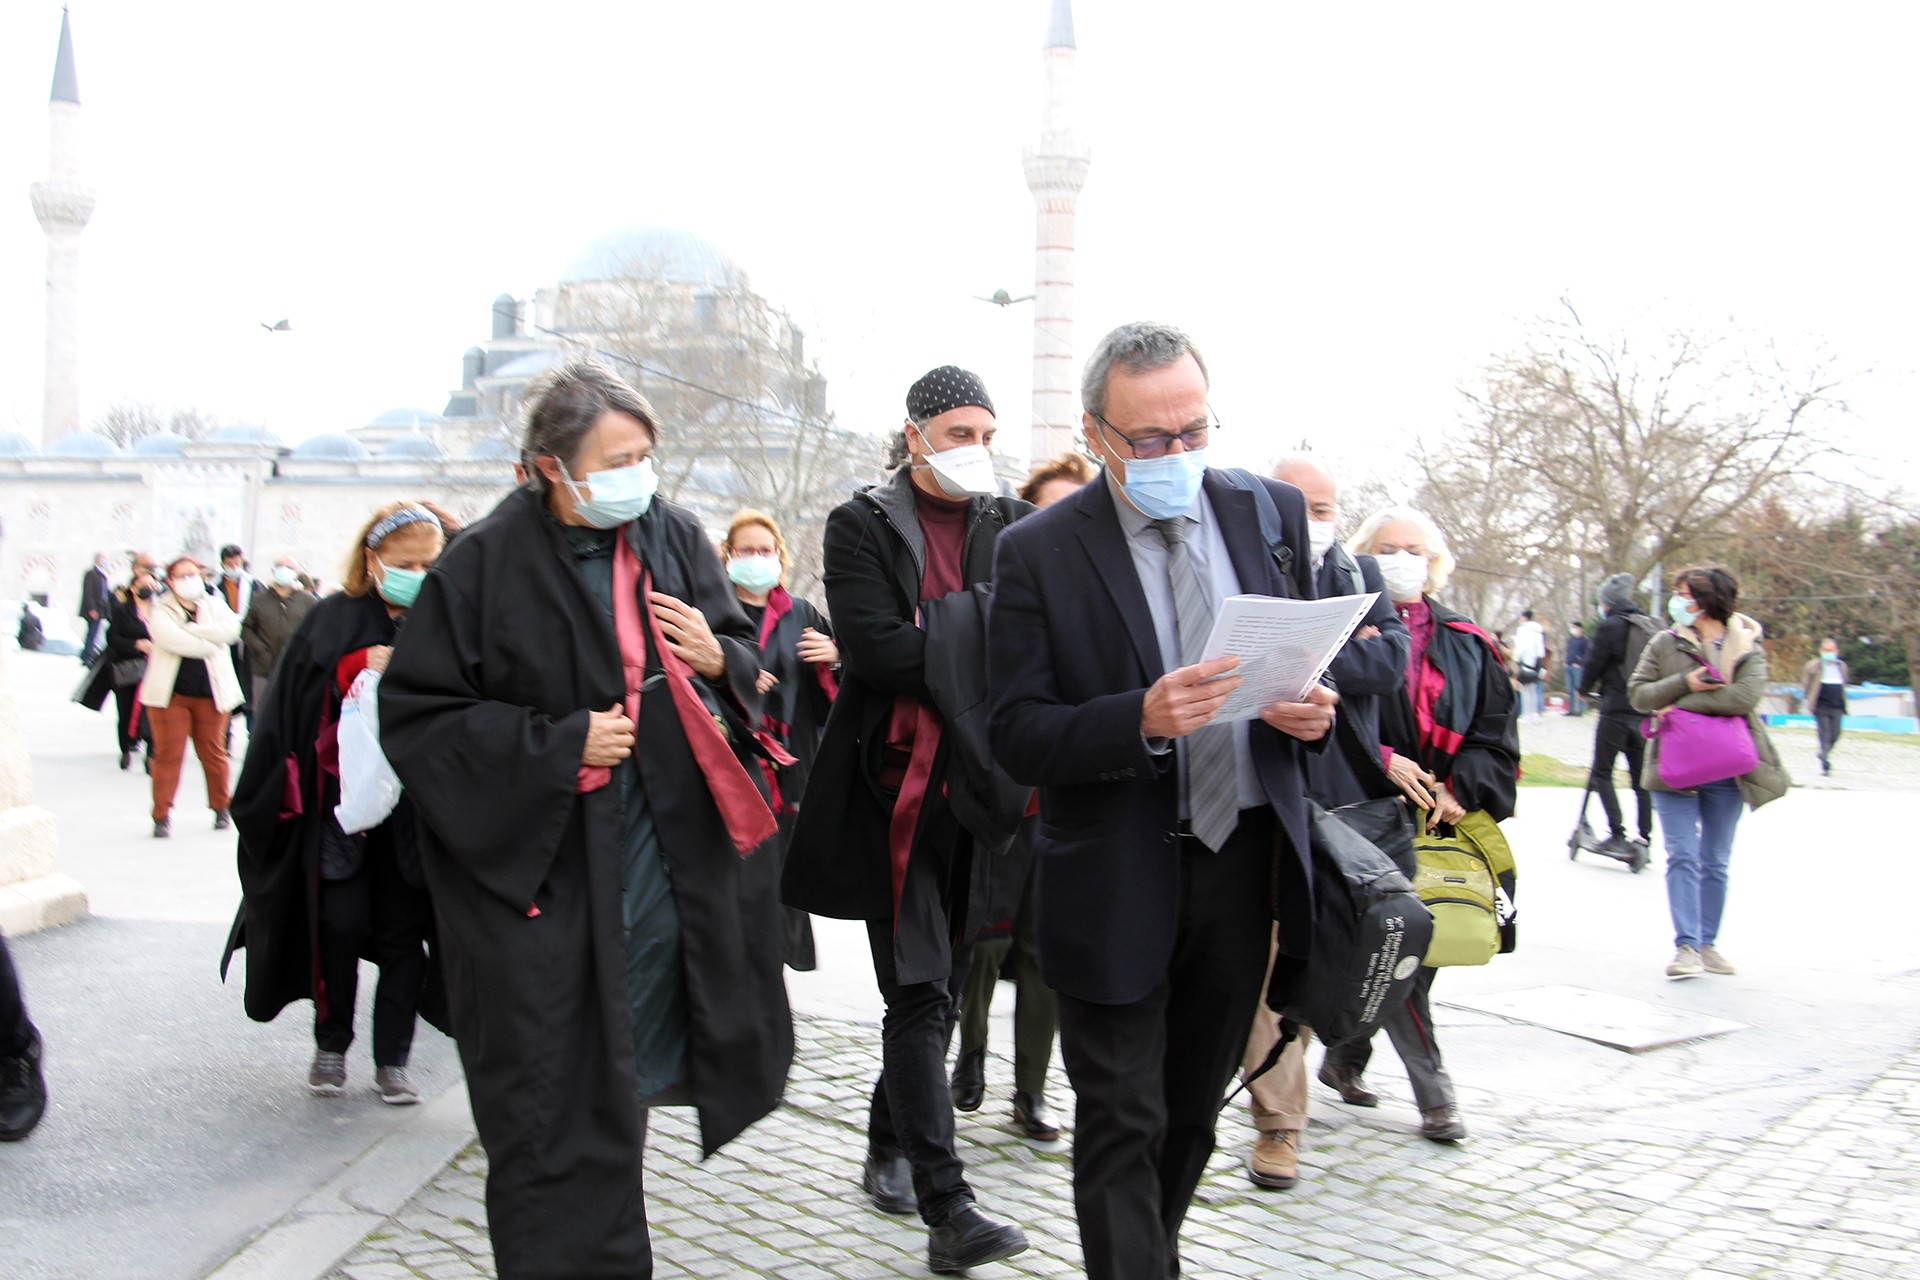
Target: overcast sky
(1350, 207)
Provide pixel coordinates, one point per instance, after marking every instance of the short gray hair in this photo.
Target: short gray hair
(564, 403)
(1137, 347)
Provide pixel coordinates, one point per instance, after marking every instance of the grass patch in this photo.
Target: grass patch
(1537, 770)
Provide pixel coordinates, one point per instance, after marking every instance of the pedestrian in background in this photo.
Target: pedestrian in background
(1530, 665)
(798, 680)
(128, 643)
(1711, 661)
(1456, 721)
(1578, 646)
(190, 688)
(95, 599)
(237, 588)
(272, 618)
(1823, 691)
(1618, 643)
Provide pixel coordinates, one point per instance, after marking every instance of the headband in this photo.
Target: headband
(400, 520)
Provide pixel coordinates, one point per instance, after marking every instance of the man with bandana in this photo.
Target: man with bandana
(878, 838)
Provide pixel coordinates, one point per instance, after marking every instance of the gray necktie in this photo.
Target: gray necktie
(1213, 786)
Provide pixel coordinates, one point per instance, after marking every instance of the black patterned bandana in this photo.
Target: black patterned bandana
(947, 387)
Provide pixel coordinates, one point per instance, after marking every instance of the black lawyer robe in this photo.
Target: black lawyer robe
(279, 917)
(484, 712)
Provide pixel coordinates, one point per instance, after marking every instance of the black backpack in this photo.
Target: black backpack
(1370, 930)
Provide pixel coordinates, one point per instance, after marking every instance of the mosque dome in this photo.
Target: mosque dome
(83, 444)
(15, 445)
(162, 444)
(412, 446)
(245, 433)
(407, 419)
(485, 449)
(332, 447)
(666, 254)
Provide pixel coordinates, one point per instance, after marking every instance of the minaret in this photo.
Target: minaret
(63, 204)
(1056, 170)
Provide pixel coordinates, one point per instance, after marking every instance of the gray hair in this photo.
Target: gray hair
(565, 402)
(1440, 561)
(1137, 347)
(895, 452)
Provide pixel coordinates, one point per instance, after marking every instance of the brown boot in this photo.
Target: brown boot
(1275, 1161)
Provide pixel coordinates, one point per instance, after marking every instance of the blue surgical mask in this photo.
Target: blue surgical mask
(399, 587)
(1165, 487)
(755, 573)
(1680, 609)
(619, 495)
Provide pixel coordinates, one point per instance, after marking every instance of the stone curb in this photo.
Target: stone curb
(317, 1234)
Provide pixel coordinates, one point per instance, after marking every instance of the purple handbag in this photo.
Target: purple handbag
(1697, 748)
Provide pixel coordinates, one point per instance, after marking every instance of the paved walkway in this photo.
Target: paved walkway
(1832, 1190)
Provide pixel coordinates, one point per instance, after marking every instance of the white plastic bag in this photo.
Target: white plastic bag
(369, 790)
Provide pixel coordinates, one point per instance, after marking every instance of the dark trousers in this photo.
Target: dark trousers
(1036, 1011)
(912, 1108)
(1619, 734)
(1827, 723)
(1149, 1076)
(1410, 1026)
(17, 1033)
(374, 913)
(130, 727)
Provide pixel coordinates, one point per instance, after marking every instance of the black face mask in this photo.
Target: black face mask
(143, 593)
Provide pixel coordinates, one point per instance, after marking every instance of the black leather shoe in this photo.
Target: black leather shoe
(1345, 1081)
(969, 1238)
(888, 1181)
(1033, 1118)
(23, 1093)
(970, 1080)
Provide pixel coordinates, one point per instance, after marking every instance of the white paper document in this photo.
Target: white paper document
(1283, 645)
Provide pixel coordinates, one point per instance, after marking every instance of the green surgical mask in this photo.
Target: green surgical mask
(399, 587)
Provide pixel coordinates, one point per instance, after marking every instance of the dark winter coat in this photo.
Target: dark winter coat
(1606, 670)
(1366, 673)
(1474, 745)
(484, 714)
(838, 862)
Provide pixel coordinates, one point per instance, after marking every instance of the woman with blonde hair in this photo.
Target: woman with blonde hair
(190, 688)
(798, 661)
(1451, 731)
(317, 898)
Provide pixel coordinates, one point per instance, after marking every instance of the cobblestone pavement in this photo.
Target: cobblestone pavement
(1830, 1189)
(1861, 761)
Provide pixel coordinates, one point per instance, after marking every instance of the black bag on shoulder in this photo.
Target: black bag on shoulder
(1370, 930)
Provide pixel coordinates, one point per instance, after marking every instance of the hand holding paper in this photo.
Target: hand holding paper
(1284, 647)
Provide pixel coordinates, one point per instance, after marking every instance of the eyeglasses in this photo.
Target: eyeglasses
(1154, 444)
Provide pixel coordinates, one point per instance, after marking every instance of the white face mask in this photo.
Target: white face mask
(1321, 535)
(187, 589)
(1404, 574)
(962, 472)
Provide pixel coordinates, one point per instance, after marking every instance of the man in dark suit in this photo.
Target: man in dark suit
(95, 599)
(1168, 844)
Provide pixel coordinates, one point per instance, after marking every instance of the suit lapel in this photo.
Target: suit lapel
(1239, 518)
(1106, 545)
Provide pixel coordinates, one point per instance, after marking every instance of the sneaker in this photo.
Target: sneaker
(1685, 964)
(222, 819)
(1713, 962)
(1275, 1161)
(1614, 846)
(163, 828)
(328, 1074)
(395, 1086)
(23, 1092)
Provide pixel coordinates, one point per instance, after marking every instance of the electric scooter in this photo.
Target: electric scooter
(1632, 852)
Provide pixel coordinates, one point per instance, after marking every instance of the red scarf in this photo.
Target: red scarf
(748, 820)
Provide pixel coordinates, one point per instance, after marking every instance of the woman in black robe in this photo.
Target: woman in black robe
(315, 899)
(798, 666)
(556, 710)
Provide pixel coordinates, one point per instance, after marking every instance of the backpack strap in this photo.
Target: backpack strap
(1270, 527)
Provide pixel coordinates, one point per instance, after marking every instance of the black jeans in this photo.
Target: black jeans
(1827, 721)
(1149, 1076)
(912, 1109)
(128, 731)
(1616, 735)
(16, 1028)
(376, 913)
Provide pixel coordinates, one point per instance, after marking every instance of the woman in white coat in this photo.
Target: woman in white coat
(190, 688)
